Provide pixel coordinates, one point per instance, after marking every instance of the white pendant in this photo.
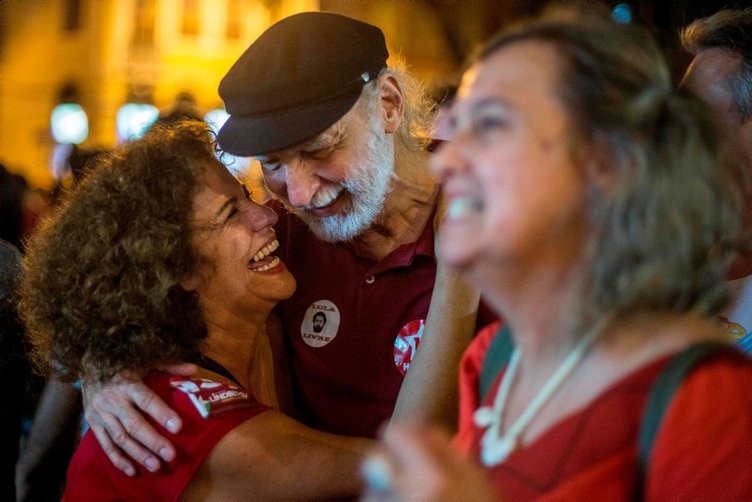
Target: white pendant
(496, 452)
(494, 449)
(483, 416)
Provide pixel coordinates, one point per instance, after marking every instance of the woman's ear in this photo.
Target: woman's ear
(599, 173)
(392, 103)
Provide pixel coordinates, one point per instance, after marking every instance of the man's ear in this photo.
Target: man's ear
(192, 282)
(392, 102)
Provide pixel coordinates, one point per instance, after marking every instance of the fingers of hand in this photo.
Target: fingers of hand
(425, 450)
(421, 464)
(134, 437)
(413, 463)
(112, 451)
(122, 430)
(152, 405)
(377, 473)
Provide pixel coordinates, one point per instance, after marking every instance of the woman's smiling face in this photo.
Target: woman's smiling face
(514, 190)
(235, 238)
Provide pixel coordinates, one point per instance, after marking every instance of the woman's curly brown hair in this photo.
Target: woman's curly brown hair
(102, 290)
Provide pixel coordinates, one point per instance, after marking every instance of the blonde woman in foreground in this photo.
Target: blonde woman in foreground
(588, 203)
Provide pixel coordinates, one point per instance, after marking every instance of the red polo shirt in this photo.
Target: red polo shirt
(348, 372)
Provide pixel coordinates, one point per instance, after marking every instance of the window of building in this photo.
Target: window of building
(190, 20)
(234, 25)
(144, 23)
(71, 17)
(3, 33)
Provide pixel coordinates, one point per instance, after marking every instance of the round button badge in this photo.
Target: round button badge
(406, 344)
(320, 323)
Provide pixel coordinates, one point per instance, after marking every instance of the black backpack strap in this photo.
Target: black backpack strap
(661, 395)
(497, 357)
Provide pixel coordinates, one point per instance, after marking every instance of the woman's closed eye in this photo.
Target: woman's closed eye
(232, 212)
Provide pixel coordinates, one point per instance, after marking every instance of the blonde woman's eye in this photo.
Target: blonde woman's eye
(485, 124)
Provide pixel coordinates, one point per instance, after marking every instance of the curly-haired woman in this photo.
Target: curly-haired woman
(159, 257)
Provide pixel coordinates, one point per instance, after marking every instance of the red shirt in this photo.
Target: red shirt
(92, 477)
(346, 375)
(703, 450)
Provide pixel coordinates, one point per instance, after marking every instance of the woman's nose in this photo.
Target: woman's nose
(260, 217)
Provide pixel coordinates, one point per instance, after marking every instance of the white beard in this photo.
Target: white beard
(367, 185)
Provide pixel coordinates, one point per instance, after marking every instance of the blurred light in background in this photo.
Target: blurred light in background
(59, 161)
(622, 13)
(69, 124)
(237, 165)
(134, 119)
(216, 118)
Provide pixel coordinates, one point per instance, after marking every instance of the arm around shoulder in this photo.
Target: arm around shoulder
(112, 411)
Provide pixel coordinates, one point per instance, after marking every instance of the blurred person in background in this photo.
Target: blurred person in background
(12, 192)
(721, 75)
(589, 203)
(185, 107)
(19, 399)
(53, 410)
(14, 368)
(158, 257)
(73, 168)
(51, 435)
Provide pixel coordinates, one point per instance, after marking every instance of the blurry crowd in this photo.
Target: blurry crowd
(54, 409)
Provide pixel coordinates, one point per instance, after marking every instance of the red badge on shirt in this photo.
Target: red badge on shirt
(406, 344)
(210, 397)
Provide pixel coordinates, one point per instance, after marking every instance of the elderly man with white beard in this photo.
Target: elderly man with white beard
(340, 137)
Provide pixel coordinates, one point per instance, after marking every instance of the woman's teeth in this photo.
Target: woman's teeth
(462, 206)
(263, 252)
(267, 266)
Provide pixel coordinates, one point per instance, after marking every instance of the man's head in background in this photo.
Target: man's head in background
(721, 74)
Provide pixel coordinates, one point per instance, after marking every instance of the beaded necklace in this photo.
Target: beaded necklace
(496, 447)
